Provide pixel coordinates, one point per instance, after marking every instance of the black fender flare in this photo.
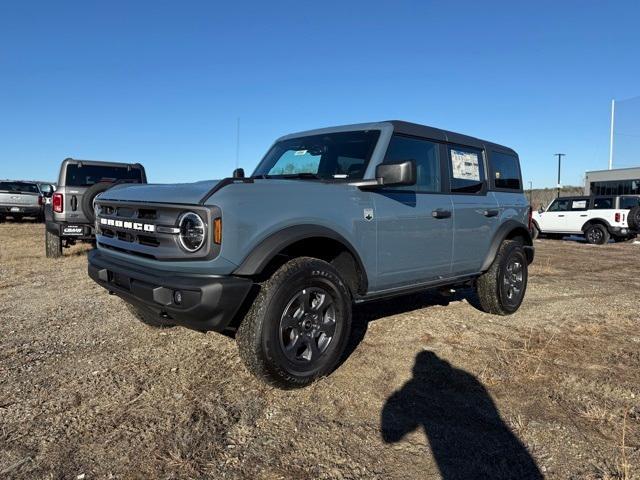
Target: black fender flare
(593, 221)
(271, 246)
(507, 229)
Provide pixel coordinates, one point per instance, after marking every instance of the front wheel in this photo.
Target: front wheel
(298, 326)
(501, 289)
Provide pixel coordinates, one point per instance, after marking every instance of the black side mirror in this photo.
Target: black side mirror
(541, 210)
(402, 173)
(238, 173)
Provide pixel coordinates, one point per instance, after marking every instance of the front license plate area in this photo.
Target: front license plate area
(15, 209)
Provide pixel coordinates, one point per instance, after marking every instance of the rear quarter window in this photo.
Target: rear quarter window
(603, 203)
(505, 171)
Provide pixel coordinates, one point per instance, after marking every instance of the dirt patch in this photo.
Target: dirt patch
(429, 390)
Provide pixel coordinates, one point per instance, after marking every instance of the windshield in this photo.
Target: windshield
(333, 156)
(87, 175)
(19, 187)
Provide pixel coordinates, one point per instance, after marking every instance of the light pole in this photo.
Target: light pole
(559, 155)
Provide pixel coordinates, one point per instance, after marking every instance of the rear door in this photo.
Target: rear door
(414, 223)
(476, 210)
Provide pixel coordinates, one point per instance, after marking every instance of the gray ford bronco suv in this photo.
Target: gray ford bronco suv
(329, 218)
(69, 216)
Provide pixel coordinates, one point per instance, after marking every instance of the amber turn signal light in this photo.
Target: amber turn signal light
(217, 231)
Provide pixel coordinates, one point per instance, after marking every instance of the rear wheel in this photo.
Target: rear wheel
(596, 234)
(52, 245)
(298, 326)
(501, 289)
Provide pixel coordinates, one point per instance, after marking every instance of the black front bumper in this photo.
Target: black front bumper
(208, 302)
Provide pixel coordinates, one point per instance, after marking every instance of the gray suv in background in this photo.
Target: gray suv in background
(20, 199)
(330, 218)
(70, 215)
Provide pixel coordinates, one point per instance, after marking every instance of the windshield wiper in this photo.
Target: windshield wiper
(300, 175)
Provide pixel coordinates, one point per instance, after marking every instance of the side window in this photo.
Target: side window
(605, 203)
(466, 169)
(559, 205)
(627, 203)
(579, 205)
(505, 171)
(427, 160)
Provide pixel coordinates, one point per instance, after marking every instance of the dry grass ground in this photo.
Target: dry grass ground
(428, 390)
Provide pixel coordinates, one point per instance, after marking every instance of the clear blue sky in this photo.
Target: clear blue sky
(162, 82)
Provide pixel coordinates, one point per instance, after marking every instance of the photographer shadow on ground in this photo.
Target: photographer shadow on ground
(468, 438)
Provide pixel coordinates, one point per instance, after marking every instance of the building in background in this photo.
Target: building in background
(620, 181)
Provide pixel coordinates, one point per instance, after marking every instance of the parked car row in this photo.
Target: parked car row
(329, 218)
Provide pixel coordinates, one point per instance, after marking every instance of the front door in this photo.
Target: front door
(554, 219)
(415, 223)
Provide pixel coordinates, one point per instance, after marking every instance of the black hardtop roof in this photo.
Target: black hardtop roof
(75, 161)
(415, 129)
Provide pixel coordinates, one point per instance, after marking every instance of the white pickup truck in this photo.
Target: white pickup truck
(597, 218)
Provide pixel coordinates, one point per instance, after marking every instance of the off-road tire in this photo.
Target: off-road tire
(490, 288)
(633, 218)
(596, 234)
(52, 245)
(147, 317)
(259, 336)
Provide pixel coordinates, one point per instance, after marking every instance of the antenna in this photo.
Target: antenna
(238, 142)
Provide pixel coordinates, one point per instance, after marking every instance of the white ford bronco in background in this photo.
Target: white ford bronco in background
(597, 218)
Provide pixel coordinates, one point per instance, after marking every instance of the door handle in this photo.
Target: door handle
(440, 213)
(491, 213)
(584, 215)
(74, 203)
(561, 215)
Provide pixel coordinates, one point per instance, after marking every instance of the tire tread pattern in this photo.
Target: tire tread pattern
(487, 284)
(249, 336)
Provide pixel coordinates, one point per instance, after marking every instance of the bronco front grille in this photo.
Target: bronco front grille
(149, 231)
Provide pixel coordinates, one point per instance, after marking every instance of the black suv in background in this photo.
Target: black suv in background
(70, 216)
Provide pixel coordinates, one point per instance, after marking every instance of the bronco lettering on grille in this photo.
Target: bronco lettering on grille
(142, 227)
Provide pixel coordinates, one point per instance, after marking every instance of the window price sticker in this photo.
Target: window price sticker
(466, 165)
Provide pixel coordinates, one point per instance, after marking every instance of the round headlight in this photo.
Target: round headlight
(192, 231)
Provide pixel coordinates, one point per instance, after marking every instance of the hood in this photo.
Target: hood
(184, 193)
